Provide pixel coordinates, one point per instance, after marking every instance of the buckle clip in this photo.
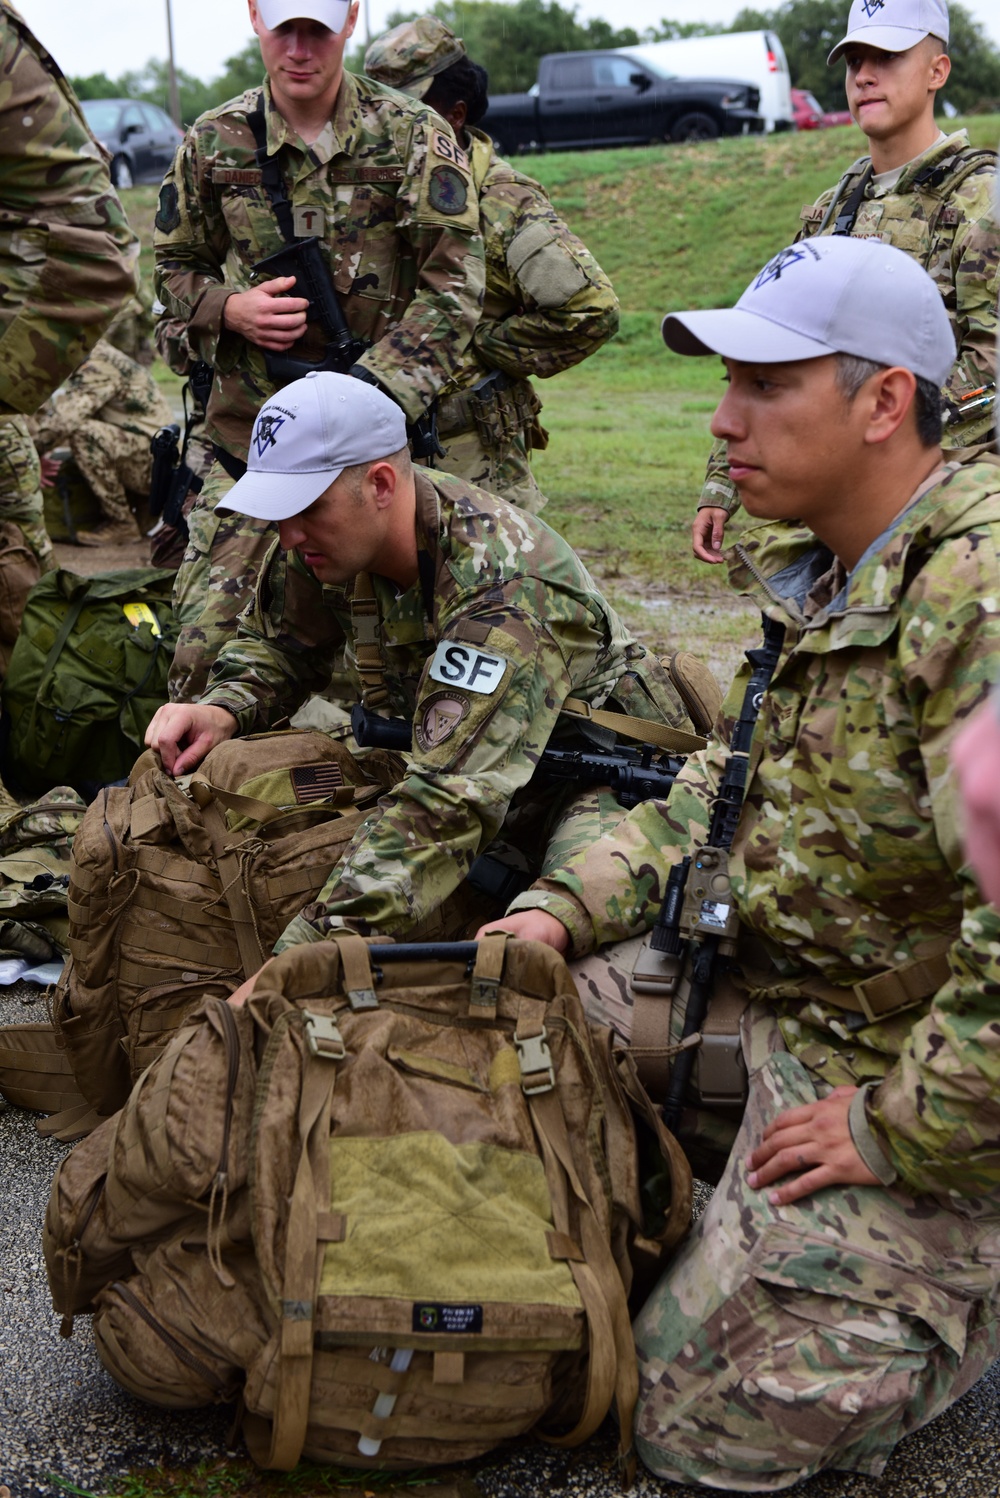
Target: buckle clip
(535, 1060)
(323, 1038)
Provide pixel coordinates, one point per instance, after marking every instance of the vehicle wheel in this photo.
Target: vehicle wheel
(695, 126)
(121, 173)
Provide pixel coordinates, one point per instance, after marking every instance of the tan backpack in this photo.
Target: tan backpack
(394, 1202)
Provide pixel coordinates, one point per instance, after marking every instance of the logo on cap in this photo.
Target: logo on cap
(871, 7)
(264, 436)
(773, 269)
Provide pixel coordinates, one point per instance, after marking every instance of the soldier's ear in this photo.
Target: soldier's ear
(382, 480)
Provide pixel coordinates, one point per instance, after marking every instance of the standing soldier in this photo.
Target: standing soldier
(382, 189)
(107, 413)
(548, 302)
(925, 192)
(67, 258)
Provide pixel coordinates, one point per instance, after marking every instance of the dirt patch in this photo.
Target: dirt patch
(86, 560)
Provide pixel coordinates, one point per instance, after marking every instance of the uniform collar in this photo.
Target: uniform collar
(341, 136)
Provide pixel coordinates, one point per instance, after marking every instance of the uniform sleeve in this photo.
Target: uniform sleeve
(438, 216)
(487, 703)
(718, 490)
(284, 648)
(191, 243)
(937, 1113)
(91, 387)
(566, 305)
(68, 259)
(975, 278)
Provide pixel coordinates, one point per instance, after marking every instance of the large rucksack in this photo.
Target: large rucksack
(180, 891)
(86, 675)
(395, 1203)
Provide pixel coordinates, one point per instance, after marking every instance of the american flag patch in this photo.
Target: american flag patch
(316, 782)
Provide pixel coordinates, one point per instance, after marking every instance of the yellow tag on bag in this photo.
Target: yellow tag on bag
(141, 613)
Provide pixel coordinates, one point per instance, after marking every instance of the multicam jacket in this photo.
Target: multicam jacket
(108, 387)
(548, 303)
(68, 258)
(506, 624)
(388, 192)
(944, 219)
(847, 861)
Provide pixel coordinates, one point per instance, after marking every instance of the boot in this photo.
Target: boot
(109, 533)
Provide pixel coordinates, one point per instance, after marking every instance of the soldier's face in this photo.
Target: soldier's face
(340, 534)
(887, 92)
(303, 59)
(790, 439)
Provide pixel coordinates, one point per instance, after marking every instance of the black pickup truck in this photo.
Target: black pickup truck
(608, 99)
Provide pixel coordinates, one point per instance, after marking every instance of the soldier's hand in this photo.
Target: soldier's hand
(182, 733)
(814, 1141)
(50, 470)
(707, 532)
(531, 925)
(264, 315)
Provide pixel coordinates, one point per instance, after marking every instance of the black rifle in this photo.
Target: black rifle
(633, 774)
(696, 922)
(303, 259)
(172, 479)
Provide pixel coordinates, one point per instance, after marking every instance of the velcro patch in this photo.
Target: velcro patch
(231, 176)
(449, 150)
(434, 1317)
(465, 666)
(307, 220)
(812, 213)
(447, 190)
(441, 715)
(315, 782)
(367, 174)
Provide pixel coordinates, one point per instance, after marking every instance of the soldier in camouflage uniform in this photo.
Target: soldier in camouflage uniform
(920, 190)
(21, 488)
(843, 1286)
(67, 256)
(382, 184)
(106, 414)
(548, 303)
(459, 612)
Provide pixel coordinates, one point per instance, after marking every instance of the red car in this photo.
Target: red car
(809, 116)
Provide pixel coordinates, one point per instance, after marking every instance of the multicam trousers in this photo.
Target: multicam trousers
(784, 1341)
(21, 488)
(112, 461)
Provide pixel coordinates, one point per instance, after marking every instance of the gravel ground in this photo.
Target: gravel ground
(62, 1419)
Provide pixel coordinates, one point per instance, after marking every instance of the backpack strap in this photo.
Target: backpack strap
(252, 954)
(366, 628)
(73, 613)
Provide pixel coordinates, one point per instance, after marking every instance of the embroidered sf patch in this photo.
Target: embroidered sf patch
(449, 150)
(446, 190)
(168, 214)
(441, 716)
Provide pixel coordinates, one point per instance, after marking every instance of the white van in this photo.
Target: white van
(748, 56)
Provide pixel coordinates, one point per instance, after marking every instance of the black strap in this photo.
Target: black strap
(235, 467)
(845, 218)
(270, 173)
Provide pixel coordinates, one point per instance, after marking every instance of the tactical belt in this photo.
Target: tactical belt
(235, 467)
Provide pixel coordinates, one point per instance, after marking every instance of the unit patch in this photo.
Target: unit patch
(466, 666)
(168, 215)
(307, 220)
(449, 150)
(435, 1317)
(447, 191)
(441, 715)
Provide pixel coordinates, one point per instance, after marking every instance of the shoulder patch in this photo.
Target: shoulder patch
(441, 715)
(449, 150)
(447, 190)
(458, 665)
(168, 214)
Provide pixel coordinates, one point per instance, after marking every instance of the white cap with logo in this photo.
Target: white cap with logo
(893, 25)
(831, 295)
(306, 435)
(331, 13)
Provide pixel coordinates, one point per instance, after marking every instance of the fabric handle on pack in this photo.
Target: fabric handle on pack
(263, 811)
(65, 630)
(660, 735)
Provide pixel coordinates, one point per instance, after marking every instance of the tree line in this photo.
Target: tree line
(509, 36)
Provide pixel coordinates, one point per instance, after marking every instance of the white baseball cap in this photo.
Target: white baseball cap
(893, 25)
(306, 435)
(828, 295)
(332, 13)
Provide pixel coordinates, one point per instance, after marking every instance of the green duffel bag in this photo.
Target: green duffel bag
(88, 671)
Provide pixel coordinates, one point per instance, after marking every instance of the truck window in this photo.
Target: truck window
(572, 72)
(615, 72)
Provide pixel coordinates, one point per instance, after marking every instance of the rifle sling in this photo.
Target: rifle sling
(270, 173)
(660, 735)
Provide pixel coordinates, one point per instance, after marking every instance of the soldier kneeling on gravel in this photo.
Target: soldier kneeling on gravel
(843, 1286)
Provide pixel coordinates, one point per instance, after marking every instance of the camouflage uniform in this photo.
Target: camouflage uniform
(67, 256)
(21, 488)
(947, 225)
(399, 222)
(785, 1340)
(106, 414)
(548, 303)
(497, 585)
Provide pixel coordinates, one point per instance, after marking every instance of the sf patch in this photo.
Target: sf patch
(168, 214)
(458, 665)
(447, 191)
(441, 715)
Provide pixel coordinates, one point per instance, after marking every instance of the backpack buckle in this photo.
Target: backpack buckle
(323, 1038)
(535, 1060)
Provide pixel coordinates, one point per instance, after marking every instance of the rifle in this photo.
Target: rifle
(698, 922)
(172, 479)
(634, 774)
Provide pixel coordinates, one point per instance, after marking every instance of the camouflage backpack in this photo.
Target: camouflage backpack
(395, 1203)
(87, 674)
